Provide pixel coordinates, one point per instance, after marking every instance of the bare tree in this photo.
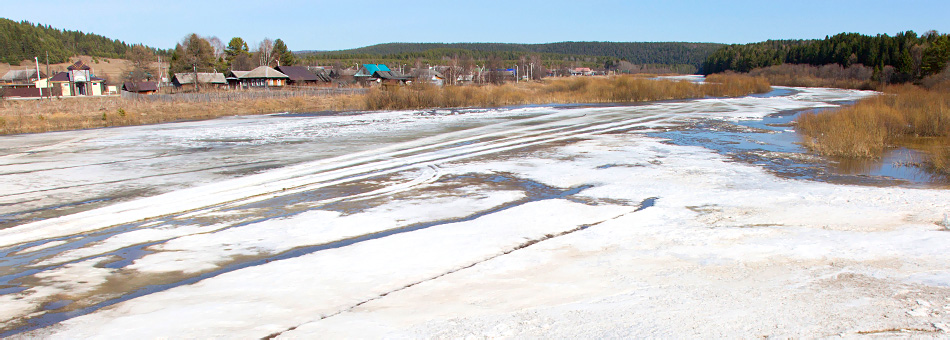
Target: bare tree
(265, 52)
(217, 45)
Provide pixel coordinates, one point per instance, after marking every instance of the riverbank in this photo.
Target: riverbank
(906, 116)
(59, 114)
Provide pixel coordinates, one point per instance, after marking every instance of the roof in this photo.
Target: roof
(210, 78)
(426, 73)
(62, 76)
(297, 73)
(78, 65)
(143, 86)
(237, 74)
(389, 75)
(13, 75)
(369, 69)
(264, 72)
(323, 74)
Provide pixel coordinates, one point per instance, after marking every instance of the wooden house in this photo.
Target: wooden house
(204, 79)
(379, 73)
(428, 76)
(298, 75)
(143, 87)
(21, 78)
(260, 77)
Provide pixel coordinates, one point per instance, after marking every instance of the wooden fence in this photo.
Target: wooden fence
(225, 96)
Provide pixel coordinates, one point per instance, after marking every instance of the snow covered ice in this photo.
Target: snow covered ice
(535, 222)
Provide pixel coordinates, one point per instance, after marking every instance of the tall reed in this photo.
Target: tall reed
(564, 90)
(902, 114)
(27, 116)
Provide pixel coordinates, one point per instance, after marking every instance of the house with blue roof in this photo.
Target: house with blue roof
(378, 73)
(369, 69)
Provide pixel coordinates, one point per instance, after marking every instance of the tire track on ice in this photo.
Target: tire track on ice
(311, 176)
(649, 202)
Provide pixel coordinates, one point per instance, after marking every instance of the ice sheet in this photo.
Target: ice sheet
(539, 222)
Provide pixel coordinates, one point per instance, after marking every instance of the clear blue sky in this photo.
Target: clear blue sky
(333, 25)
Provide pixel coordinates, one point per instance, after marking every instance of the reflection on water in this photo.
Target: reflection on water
(904, 163)
(773, 143)
(896, 163)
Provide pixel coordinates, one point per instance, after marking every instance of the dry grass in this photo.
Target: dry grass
(831, 75)
(29, 116)
(903, 116)
(565, 90)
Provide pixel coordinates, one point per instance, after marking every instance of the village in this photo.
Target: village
(80, 79)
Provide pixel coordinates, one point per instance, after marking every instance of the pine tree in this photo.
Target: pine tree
(284, 56)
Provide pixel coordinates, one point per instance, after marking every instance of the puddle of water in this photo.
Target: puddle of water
(57, 304)
(776, 92)
(773, 143)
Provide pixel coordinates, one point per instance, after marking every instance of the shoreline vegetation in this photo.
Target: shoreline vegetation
(904, 116)
(34, 116)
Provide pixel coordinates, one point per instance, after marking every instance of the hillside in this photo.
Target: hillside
(668, 53)
(24, 40)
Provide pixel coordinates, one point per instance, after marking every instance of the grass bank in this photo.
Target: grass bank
(617, 89)
(29, 116)
(904, 116)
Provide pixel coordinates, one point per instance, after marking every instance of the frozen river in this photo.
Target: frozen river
(568, 221)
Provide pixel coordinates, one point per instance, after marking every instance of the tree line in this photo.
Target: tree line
(667, 53)
(903, 57)
(24, 40)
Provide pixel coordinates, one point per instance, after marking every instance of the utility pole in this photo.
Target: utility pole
(196, 77)
(49, 87)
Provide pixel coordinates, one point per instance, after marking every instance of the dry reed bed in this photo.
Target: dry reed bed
(563, 91)
(905, 115)
(831, 75)
(30, 116)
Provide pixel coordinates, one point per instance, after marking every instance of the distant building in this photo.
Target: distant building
(21, 78)
(428, 76)
(298, 75)
(78, 80)
(144, 87)
(582, 71)
(322, 73)
(204, 78)
(367, 70)
(262, 76)
(379, 73)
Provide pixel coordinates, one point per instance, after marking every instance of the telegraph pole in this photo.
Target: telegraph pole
(49, 86)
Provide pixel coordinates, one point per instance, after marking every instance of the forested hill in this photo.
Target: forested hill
(907, 54)
(24, 40)
(635, 52)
